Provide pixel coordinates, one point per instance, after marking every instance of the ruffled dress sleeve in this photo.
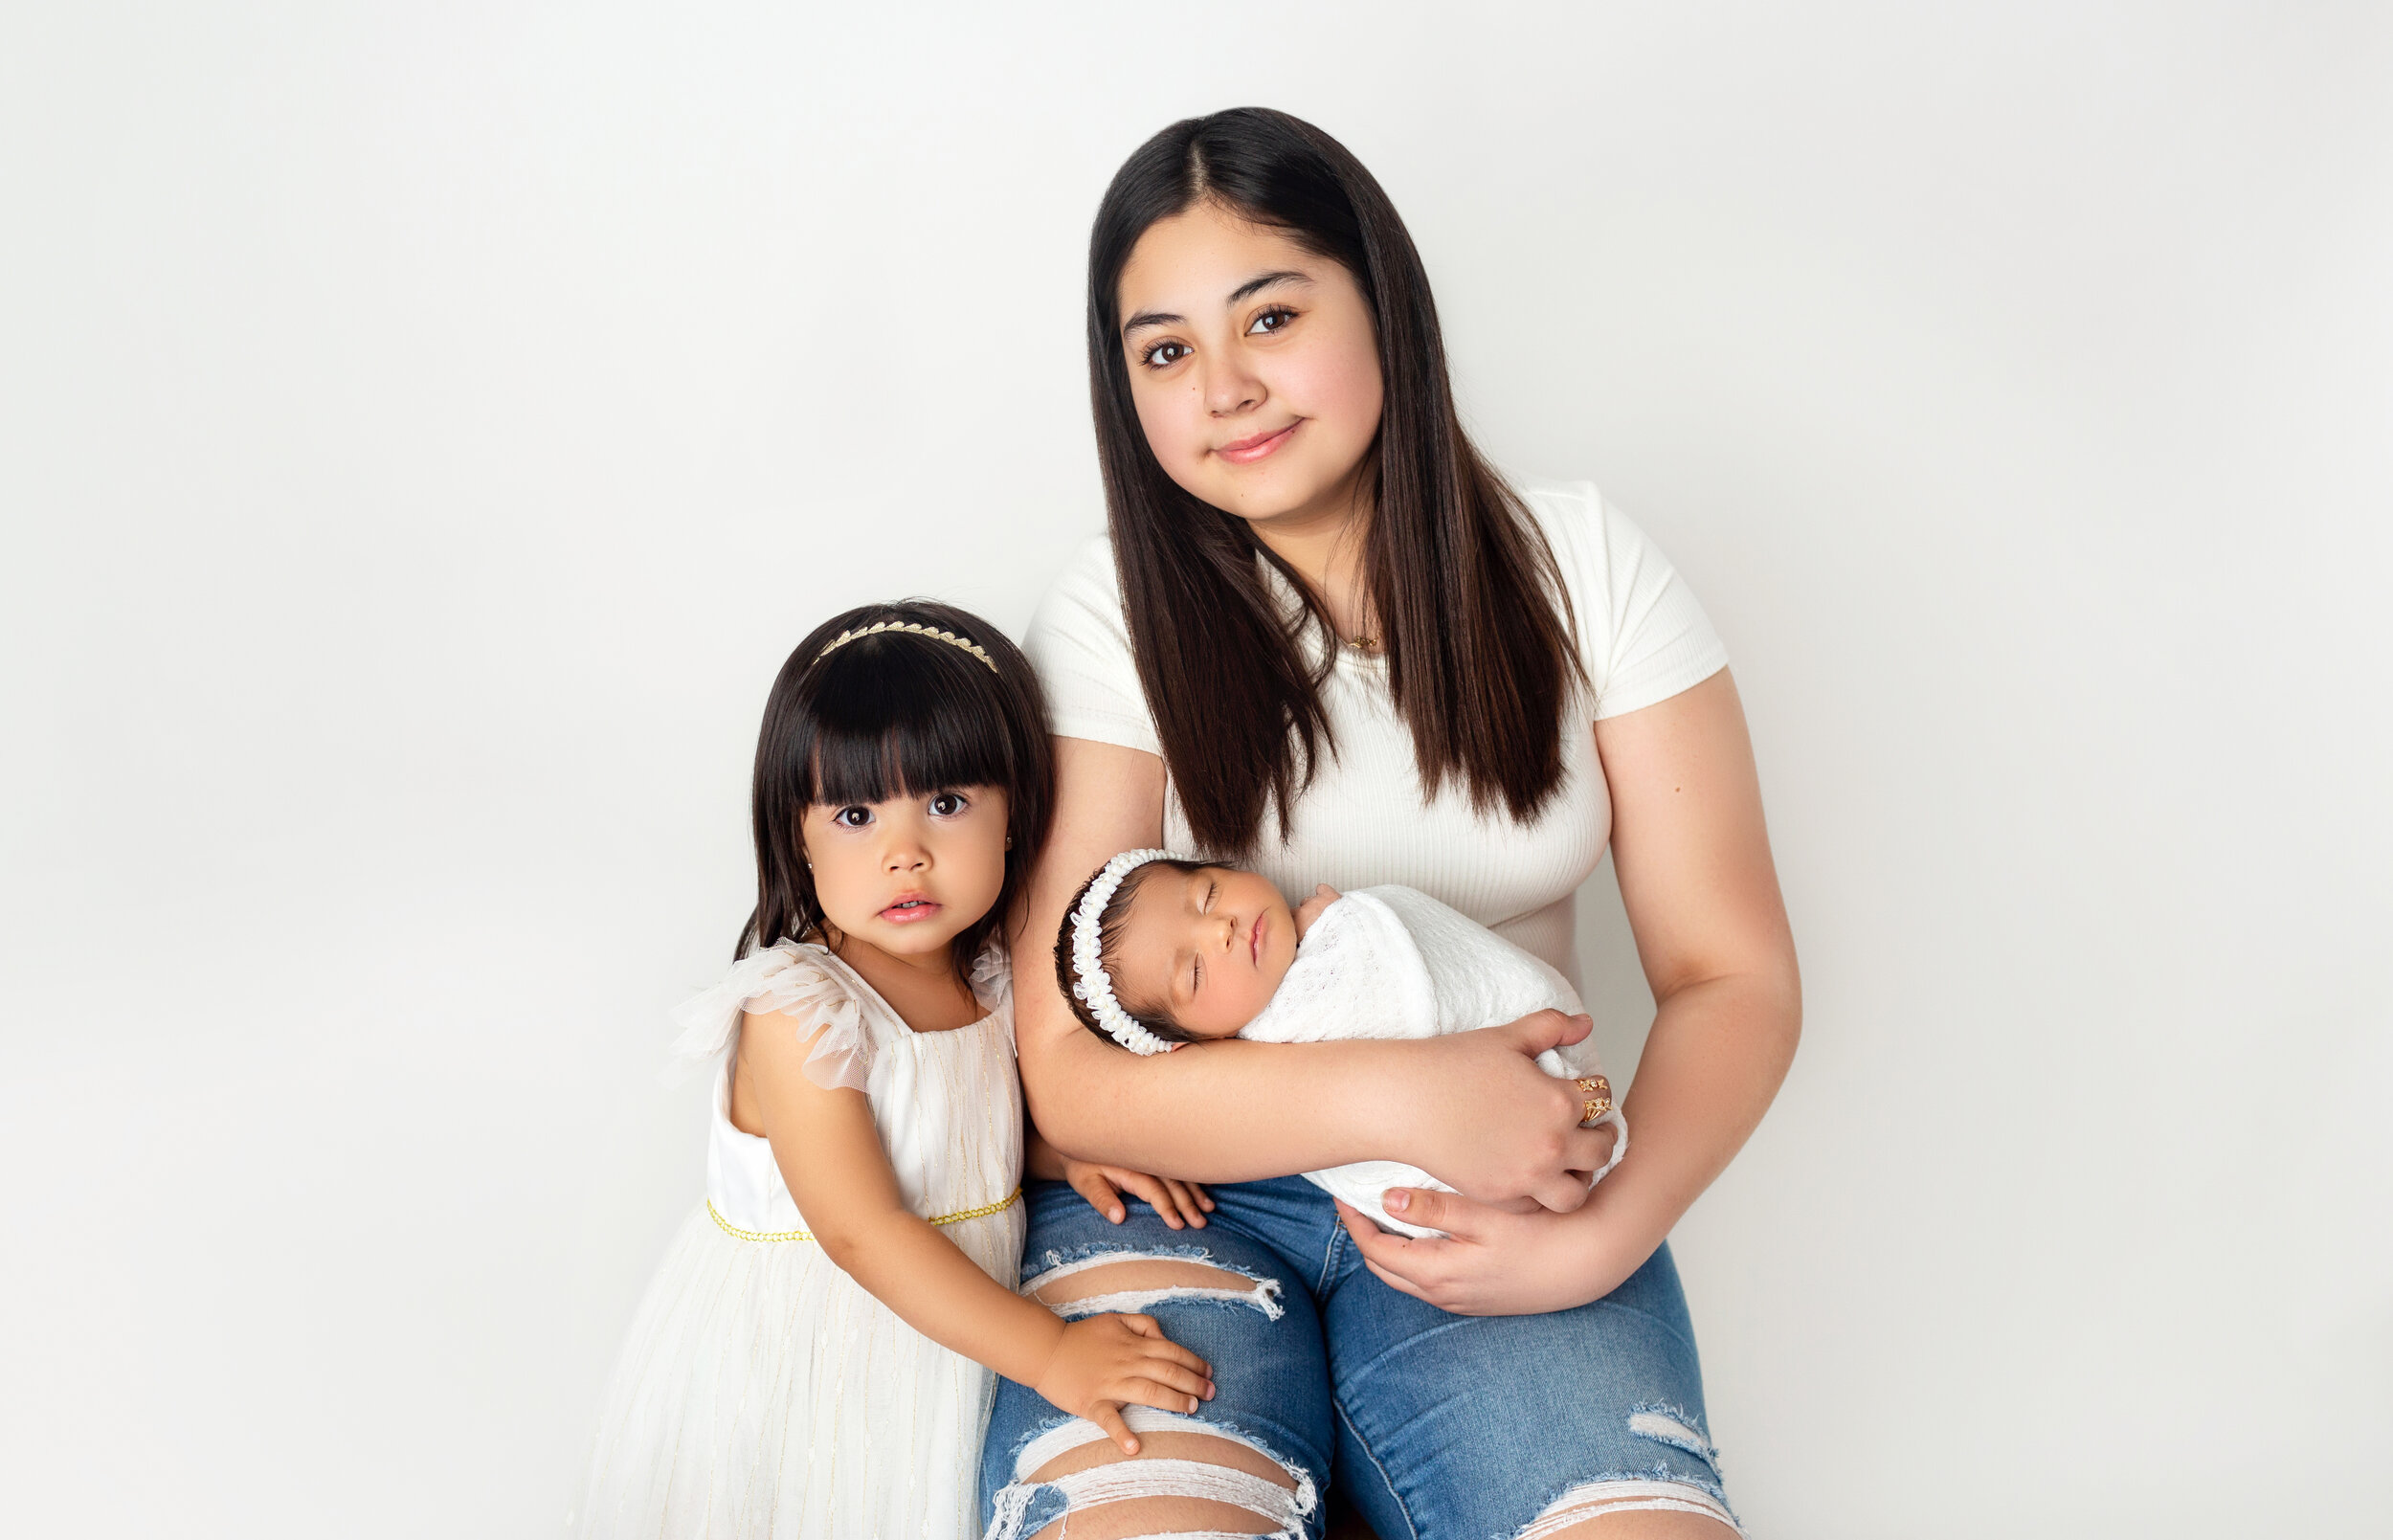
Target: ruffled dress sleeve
(993, 985)
(793, 979)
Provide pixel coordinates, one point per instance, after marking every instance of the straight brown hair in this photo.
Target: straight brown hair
(1470, 607)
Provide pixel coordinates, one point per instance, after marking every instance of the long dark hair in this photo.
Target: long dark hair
(1469, 604)
(895, 714)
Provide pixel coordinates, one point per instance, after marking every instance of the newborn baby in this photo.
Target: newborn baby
(1158, 951)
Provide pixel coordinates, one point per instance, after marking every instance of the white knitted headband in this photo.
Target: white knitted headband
(1090, 983)
(935, 634)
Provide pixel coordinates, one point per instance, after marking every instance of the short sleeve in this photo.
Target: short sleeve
(792, 979)
(1642, 634)
(1080, 644)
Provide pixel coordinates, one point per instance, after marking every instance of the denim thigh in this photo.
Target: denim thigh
(1438, 1426)
(1260, 1332)
(1459, 1427)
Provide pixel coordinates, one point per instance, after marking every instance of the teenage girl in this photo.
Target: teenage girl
(814, 1357)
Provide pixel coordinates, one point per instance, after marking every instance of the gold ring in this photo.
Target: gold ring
(1598, 1093)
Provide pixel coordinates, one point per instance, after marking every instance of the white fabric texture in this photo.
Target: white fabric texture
(1643, 639)
(1393, 962)
(760, 1390)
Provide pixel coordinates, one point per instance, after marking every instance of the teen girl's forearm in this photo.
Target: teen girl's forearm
(1232, 1111)
(1717, 1051)
(1713, 1063)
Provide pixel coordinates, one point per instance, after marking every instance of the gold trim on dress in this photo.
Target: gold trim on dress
(983, 1211)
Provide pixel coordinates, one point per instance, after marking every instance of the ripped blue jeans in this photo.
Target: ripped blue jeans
(1438, 1426)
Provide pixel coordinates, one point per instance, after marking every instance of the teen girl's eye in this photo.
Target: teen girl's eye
(1271, 321)
(1163, 355)
(852, 817)
(948, 804)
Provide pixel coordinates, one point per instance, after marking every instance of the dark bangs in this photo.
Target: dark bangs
(949, 704)
(903, 716)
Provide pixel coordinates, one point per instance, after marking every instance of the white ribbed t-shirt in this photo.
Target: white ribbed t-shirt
(1363, 820)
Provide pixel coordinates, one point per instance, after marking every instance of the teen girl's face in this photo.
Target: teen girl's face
(908, 875)
(1254, 366)
(1207, 948)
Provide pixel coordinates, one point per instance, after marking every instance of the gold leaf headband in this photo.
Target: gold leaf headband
(907, 626)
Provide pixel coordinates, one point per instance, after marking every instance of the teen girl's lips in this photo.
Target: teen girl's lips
(1247, 451)
(909, 908)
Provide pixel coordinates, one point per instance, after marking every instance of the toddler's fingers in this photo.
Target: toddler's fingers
(1202, 1197)
(1165, 1348)
(1148, 1393)
(1150, 1189)
(1108, 1414)
(1186, 1201)
(1164, 1372)
(1091, 1183)
(1146, 1326)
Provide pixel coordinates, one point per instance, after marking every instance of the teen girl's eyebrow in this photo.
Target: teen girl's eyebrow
(1262, 281)
(1247, 290)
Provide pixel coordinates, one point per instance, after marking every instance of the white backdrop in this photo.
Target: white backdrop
(424, 429)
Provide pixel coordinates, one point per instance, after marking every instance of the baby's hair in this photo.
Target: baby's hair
(895, 713)
(1111, 923)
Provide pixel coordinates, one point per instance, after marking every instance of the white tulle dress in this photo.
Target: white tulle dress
(761, 1391)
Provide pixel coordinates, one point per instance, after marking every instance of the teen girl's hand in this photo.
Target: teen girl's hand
(1106, 1361)
(1496, 1262)
(1484, 1119)
(1181, 1204)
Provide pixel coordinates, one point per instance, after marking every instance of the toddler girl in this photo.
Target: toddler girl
(1158, 951)
(813, 1356)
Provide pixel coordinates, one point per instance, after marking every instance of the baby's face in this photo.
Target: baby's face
(1206, 948)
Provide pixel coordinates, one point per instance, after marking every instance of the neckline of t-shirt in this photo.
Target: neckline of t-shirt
(1313, 633)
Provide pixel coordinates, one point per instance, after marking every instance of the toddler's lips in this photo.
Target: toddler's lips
(908, 912)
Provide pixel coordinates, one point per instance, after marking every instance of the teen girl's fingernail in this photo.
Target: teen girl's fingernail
(1397, 1199)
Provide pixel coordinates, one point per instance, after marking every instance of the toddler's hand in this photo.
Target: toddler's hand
(1311, 909)
(1180, 1203)
(1107, 1360)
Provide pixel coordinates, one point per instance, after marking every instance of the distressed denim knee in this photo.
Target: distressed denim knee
(1190, 1478)
(1252, 1462)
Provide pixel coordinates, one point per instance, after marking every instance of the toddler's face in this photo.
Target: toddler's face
(1205, 949)
(908, 875)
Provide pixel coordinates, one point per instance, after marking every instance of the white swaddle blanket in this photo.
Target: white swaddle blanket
(1393, 962)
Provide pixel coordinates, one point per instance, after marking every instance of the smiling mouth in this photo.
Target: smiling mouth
(1247, 451)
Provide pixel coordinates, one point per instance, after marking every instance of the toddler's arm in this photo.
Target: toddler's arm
(830, 1154)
